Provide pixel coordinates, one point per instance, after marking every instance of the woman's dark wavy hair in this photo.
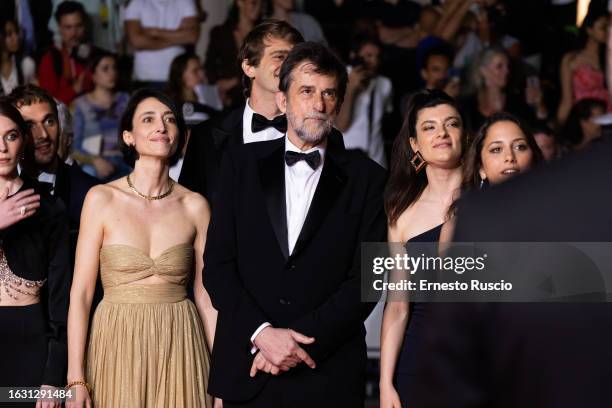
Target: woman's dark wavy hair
(7, 109)
(473, 157)
(233, 16)
(98, 56)
(405, 185)
(571, 132)
(595, 13)
(19, 54)
(174, 87)
(130, 155)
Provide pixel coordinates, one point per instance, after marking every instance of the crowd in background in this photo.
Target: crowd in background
(532, 60)
(508, 85)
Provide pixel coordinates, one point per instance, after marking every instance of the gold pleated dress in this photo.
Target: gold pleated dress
(147, 346)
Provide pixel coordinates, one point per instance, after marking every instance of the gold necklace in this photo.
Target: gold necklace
(148, 197)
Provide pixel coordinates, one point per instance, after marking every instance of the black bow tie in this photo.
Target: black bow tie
(260, 123)
(313, 158)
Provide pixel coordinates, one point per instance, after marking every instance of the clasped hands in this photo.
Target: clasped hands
(279, 351)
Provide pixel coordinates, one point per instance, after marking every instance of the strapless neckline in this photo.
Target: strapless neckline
(153, 258)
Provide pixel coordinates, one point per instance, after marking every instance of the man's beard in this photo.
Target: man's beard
(44, 159)
(306, 134)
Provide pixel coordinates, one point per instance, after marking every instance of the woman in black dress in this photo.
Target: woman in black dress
(34, 270)
(425, 178)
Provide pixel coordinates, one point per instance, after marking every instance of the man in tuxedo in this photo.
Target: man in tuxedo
(283, 252)
(527, 354)
(260, 56)
(68, 182)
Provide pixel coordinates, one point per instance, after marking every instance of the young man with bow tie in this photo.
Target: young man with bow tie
(283, 252)
(263, 51)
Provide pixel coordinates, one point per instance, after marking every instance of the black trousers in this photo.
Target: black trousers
(23, 343)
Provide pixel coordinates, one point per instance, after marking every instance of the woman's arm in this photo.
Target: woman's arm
(451, 20)
(78, 128)
(84, 280)
(566, 88)
(395, 320)
(201, 215)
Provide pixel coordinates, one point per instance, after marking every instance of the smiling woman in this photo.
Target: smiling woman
(425, 176)
(34, 265)
(146, 235)
(139, 121)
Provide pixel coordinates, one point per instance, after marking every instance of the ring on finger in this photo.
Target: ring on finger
(23, 210)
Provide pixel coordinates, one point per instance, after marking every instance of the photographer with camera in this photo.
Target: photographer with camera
(368, 99)
(64, 71)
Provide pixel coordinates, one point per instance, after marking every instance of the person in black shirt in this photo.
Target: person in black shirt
(34, 269)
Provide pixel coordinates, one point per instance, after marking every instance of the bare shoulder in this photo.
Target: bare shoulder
(401, 229)
(570, 59)
(194, 203)
(101, 195)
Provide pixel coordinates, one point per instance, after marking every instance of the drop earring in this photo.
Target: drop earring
(417, 161)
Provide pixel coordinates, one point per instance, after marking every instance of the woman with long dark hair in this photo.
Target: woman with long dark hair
(583, 70)
(15, 67)
(425, 177)
(34, 268)
(186, 84)
(225, 41)
(503, 147)
(96, 119)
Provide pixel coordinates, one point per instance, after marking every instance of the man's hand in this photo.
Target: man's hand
(261, 364)
(358, 79)
(280, 347)
(48, 402)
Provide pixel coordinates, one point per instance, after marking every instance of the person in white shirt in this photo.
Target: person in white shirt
(157, 30)
(368, 99)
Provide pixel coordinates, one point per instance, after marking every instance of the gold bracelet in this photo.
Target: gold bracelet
(73, 383)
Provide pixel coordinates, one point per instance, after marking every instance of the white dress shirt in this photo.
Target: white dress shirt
(300, 185)
(47, 178)
(248, 136)
(379, 93)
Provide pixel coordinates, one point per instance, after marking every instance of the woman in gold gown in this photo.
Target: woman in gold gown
(148, 344)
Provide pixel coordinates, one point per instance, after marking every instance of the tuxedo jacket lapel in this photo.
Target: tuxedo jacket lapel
(62, 182)
(229, 131)
(272, 176)
(328, 189)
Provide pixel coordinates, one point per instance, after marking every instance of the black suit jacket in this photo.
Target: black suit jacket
(527, 355)
(208, 142)
(71, 186)
(315, 291)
